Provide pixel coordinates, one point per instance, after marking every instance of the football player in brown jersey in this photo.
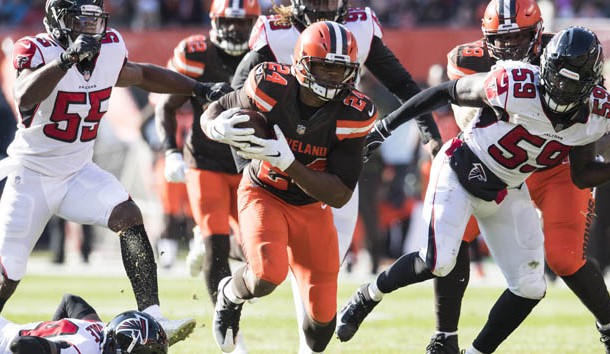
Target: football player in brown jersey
(208, 168)
(285, 194)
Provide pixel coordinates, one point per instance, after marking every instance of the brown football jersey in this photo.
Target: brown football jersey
(329, 138)
(470, 58)
(196, 56)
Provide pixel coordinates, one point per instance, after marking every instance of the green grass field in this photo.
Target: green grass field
(402, 323)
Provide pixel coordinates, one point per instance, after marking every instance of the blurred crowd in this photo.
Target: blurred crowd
(145, 14)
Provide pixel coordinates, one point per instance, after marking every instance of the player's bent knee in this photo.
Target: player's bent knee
(443, 266)
(531, 288)
(263, 288)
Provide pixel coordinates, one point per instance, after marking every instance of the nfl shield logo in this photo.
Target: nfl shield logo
(301, 129)
(86, 75)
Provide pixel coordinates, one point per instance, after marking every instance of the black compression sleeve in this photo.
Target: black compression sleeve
(424, 102)
(72, 306)
(250, 60)
(386, 67)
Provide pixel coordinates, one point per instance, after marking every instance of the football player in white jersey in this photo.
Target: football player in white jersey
(65, 78)
(531, 119)
(273, 39)
(76, 328)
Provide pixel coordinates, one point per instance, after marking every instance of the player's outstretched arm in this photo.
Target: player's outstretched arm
(154, 78)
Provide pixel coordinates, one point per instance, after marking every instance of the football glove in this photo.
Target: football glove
(275, 151)
(375, 138)
(84, 47)
(175, 168)
(222, 129)
(211, 91)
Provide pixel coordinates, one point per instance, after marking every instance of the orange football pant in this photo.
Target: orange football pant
(276, 235)
(173, 196)
(213, 198)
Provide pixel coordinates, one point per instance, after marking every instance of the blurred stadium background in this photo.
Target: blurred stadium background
(420, 32)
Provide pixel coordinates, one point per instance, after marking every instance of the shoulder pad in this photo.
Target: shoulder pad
(27, 54)
(188, 57)
(467, 59)
(265, 81)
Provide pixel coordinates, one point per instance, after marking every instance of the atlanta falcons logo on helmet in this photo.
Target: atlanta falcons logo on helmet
(135, 328)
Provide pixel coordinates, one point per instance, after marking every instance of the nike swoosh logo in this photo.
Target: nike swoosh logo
(216, 130)
(28, 46)
(276, 155)
(372, 111)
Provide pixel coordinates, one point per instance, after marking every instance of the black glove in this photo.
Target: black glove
(33, 345)
(211, 91)
(84, 47)
(375, 138)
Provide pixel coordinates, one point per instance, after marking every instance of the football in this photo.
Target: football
(258, 122)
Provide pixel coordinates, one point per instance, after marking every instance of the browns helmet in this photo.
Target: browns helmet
(570, 67)
(134, 332)
(66, 19)
(325, 59)
(307, 12)
(232, 22)
(512, 29)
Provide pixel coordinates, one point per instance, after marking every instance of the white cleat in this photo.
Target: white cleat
(194, 259)
(177, 330)
(240, 345)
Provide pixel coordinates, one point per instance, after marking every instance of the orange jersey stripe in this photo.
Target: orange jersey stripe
(261, 99)
(187, 67)
(349, 129)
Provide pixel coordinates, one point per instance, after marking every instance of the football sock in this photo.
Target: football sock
(374, 293)
(447, 334)
(140, 266)
(229, 293)
(588, 284)
(215, 262)
(407, 269)
(505, 316)
(472, 350)
(449, 291)
(317, 334)
(154, 311)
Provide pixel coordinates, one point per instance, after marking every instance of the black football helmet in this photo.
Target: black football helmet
(570, 67)
(307, 12)
(66, 19)
(134, 332)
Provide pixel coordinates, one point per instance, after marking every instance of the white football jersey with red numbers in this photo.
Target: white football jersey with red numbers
(281, 38)
(56, 136)
(74, 336)
(522, 138)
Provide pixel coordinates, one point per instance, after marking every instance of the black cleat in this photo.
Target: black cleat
(605, 338)
(226, 320)
(354, 312)
(440, 344)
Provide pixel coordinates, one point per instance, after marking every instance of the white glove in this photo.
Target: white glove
(175, 168)
(275, 151)
(222, 128)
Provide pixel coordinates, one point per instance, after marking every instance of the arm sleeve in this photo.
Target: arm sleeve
(72, 306)
(386, 67)
(424, 102)
(252, 59)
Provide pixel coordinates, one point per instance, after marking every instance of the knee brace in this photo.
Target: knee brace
(318, 334)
